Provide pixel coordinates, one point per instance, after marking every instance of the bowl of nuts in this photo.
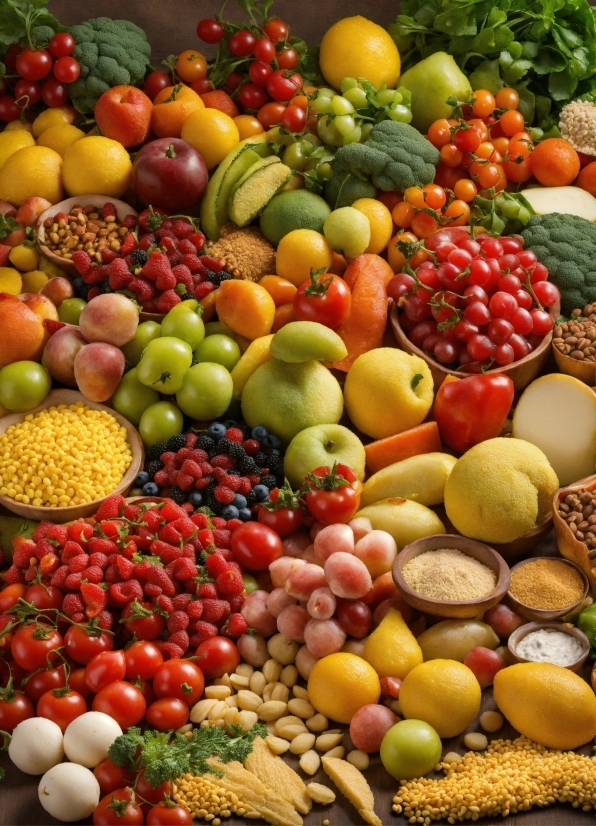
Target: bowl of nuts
(81, 223)
(574, 520)
(574, 345)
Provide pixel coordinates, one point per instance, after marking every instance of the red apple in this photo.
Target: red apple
(123, 113)
(60, 352)
(170, 174)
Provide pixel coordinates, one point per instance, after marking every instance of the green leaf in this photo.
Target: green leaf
(561, 85)
(514, 73)
(308, 67)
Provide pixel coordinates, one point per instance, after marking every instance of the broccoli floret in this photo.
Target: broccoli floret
(111, 53)
(41, 36)
(566, 245)
(394, 157)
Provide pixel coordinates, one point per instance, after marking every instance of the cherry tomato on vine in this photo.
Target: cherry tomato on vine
(14, 708)
(281, 87)
(118, 808)
(142, 620)
(255, 546)
(233, 81)
(293, 118)
(167, 713)
(45, 597)
(61, 706)
(242, 43)
(61, 45)
(27, 92)
(467, 140)
(210, 30)
(259, 72)
(155, 82)
(283, 513)
(53, 92)
(162, 815)
(334, 494)
(288, 59)
(10, 595)
(122, 701)
(325, 299)
(42, 681)
(111, 777)
(105, 668)
(190, 65)
(76, 680)
(34, 65)
(34, 646)
(217, 656)
(202, 85)
(9, 109)
(148, 793)
(82, 644)
(252, 96)
(276, 29)
(66, 69)
(268, 115)
(180, 679)
(264, 50)
(142, 660)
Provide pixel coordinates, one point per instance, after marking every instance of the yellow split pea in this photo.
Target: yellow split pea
(64, 455)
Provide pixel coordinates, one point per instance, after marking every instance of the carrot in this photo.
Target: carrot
(367, 276)
(421, 439)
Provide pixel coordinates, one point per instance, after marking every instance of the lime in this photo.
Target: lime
(296, 209)
(347, 230)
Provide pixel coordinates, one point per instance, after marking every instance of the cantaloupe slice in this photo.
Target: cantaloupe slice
(557, 413)
(568, 200)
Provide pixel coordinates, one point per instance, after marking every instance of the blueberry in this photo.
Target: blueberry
(239, 501)
(78, 285)
(196, 499)
(230, 423)
(259, 433)
(142, 479)
(151, 489)
(274, 453)
(261, 493)
(217, 430)
(230, 512)
(244, 514)
(272, 441)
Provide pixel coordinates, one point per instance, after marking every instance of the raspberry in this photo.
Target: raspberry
(165, 604)
(173, 651)
(198, 240)
(128, 245)
(157, 264)
(224, 495)
(98, 560)
(130, 221)
(95, 599)
(186, 247)
(143, 290)
(105, 619)
(215, 610)
(184, 569)
(73, 603)
(167, 300)
(110, 508)
(59, 577)
(82, 262)
(181, 601)
(78, 563)
(205, 630)
(178, 621)
(111, 574)
(184, 483)
(229, 583)
(73, 581)
(121, 593)
(245, 486)
(14, 575)
(216, 564)
(191, 468)
(57, 533)
(152, 590)
(93, 574)
(207, 591)
(179, 639)
(182, 228)
(218, 522)
(234, 434)
(235, 626)
(194, 609)
(7, 619)
(94, 291)
(108, 211)
(251, 446)
(231, 482)
(159, 577)
(221, 537)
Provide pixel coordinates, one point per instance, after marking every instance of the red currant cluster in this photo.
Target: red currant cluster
(26, 68)
(475, 302)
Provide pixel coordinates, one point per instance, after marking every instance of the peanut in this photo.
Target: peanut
(318, 722)
(217, 692)
(289, 675)
(200, 710)
(359, 759)
(320, 794)
(476, 741)
(301, 708)
(272, 710)
(277, 744)
(258, 683)
(338, 751)
(272, 671)
(301, 743)
(329, 740)
(248, 700)
(309, 762)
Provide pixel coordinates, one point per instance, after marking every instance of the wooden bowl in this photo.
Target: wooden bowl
(519, 634)
(544, 614)
(122, 210)
(451, 608)
(70, 513)
(583, 370)
(520, 548)
(521, 372)
(570, 547)
(158, 317)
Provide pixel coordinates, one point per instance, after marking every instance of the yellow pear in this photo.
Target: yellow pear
(392, 649)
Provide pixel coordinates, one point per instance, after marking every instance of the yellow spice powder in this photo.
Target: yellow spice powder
(547, 583)
(449, 575)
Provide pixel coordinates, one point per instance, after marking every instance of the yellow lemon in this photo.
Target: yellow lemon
(11, 142)
(24, 257)
(96, 166)
(340, 684)
(212, 133)
(381, 223)
(443, 693)
(60, 137)
(547, 703)
(301, 251)
(33, 281)
(357, 47)
(14, 125)
(11, 281)
(51, 117)
(33, 170)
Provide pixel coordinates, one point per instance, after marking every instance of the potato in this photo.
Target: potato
(405, 520)
(452, 639)
(419, 478)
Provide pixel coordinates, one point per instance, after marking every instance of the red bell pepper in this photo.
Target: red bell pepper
(473, 409)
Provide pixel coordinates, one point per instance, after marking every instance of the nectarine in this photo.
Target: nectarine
(60, 352)
(98, 368)
(30, 210)
(123, 113)
(23, 334)
(109, 317)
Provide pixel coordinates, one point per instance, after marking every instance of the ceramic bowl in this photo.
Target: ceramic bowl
(519, 634)
(122, 210)
(570, 547)
(544, 614)
(451, 608)
(70, 513)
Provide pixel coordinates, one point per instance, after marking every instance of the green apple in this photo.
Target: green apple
(70, 310)
(206, 391)
(320, 445)
(432, 82)
(145, 333)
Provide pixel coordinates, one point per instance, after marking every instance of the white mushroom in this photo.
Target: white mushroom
(36, 745)
(88, 738)
(69, 792)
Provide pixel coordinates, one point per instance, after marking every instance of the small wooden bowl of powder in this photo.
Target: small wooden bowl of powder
(549, 642)
(450, 576)
(546, 588)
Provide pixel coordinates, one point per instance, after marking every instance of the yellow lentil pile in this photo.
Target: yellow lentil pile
(64, 455)
(450, 575)
(205, 800)
(547, 583)
(512, 776)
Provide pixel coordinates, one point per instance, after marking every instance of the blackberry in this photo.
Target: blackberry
(212, 503)
(217, 277)
(139, 257)
(83, 290)
(104, 286)
(224, 445)
(247, 464)
(156, 451)
(154, 466)
(261, 459)
(205, 442)
(233, 472)
(177, 442)
(235, 451)
(250, 498)
(269, 481)
(178, 495)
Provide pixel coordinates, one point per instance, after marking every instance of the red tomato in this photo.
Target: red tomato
(14, 708)
(111, 777)
(141, 620)
(118, 807)
(255, 546)
(83, 645)
(281, 87)
(146, 690)
(34, 65)
(42, 681)
(282, 520)
(162, 815)
(470, 410)
(122, 701)
(62, 707)
(335, 496)
(155, 82)
(45, 597)
(76, 680)
(54, 93)
(210, 30)
(293, 119)
(61, 45)
(217, 656)
(150, 794)
(105, 668)
(142, 660)
(270, 114)
(288, 59)
(167, 713)
(66, 69)
(10, 595)
(34, 646)
(325, 299)
(276, 29)
(181, 679)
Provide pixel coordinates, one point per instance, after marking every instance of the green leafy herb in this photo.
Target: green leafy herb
(27, 22)
(8, 225)
(166, 756)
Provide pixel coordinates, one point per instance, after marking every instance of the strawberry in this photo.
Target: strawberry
(93, 574)
(105, 619)
(159, 577)
(184, 569)
(125, 567)
(235, 626)
(170, 533)
(157, 263)
(201, 520)
(73, 581)
(48, 565)
(59, 578)
(112, 575)
(52, 326)
(171, 511)
(205, 537)
(98, 545)
(110, 508)
(93, 292)
(182, 228)
(78, 563)
(207, 591)
(108, 255)
(221, 537)
(121, 593)
(194, 609)
(236, 602)
(198, 240)
(73, 603)
(143, 290)
(152, 518)
(120, 278)
(183, 276)
(224, 495)
(108, 211)
(186, 248)
(57, 533)
(132, 512)
(82, 262)
(180, 601)
(216, 565)
(128, 245)
(4, 255)
(203, 290)
(205, 630)
(152, 590)
(95, 598)
(165, 604)
(194, 264)
(229, 583)
(98, 560)
(130, 221)
(31, 573)
(215, 610)
(23, 551)
(178, 621)
(167, 553)
(165, 280)
(167, 300)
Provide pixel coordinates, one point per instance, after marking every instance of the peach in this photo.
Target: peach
(4, 253)
(15, 238)
(123, 113)
(23, 334)
(57, 290)
(98, 368)
(7, 209)
(60, 352)
(110, 317)
(30, 210)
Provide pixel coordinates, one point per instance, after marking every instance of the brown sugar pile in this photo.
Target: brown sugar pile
(546, 583)
(246, 254)
(449, 575)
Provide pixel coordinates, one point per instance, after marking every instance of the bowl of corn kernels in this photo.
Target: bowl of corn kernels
(60, 460)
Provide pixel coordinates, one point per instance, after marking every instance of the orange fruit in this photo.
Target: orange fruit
(587, 178)
(554, 162)
(281, 290)
(246, 307)
(191, 65)
(247, 126)
(218, 99)
(171, 107)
